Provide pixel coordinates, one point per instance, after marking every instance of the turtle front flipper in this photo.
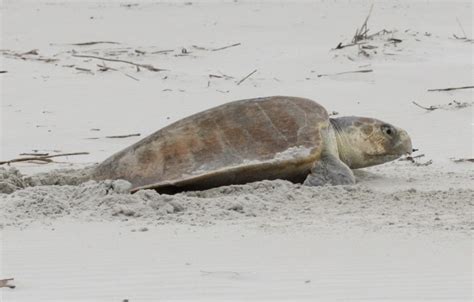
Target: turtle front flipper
(330, 170)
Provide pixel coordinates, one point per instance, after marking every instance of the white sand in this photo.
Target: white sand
(403, 232)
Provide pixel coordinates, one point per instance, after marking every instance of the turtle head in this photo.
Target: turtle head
(364, 142)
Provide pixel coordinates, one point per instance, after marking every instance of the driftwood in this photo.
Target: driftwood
(452, 88)
(46, 158)
(346, 72)
(246, 77)
(4, 283)
(146, 66)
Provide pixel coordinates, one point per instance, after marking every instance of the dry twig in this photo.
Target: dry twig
(162, 51)
(463, 160)
(31, 55)
(246, 77)
(345, 72)
(146, 66)
(431, 108)
(452, 88)
(123, 136)
(34, 154)
(88, 43)
(411, 158)
(452, 105)
(46, 158)
(103, 68)
(84, 70)
(225, 47)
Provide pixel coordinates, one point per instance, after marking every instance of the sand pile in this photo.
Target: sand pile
(278, 202)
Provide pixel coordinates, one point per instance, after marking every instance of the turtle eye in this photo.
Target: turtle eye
(387, 129)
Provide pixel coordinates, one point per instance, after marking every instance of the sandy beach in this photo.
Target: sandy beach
(94, 77)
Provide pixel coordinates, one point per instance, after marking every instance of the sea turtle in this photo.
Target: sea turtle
(249, 140)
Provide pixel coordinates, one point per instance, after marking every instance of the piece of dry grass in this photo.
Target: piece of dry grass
(362, 32)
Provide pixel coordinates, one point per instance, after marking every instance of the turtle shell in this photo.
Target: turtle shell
(239, 142)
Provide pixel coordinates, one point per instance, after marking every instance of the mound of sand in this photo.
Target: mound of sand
(277, 202)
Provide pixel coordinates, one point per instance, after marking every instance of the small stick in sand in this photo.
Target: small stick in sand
(225, 47)
(411, 158)
(103, 67)
(346, 72)
(341, 46)
(84, 70)
(123, 136)
(431, 108)
(40, 158)
(4, 283)
(88, 43)
(452, 88)
(162, 51)
(34, 154)
(132, 77)
(246, 77)
(463, 160)
(452, 105)
(146, 66)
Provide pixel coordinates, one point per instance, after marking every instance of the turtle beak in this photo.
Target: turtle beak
(404, 145)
